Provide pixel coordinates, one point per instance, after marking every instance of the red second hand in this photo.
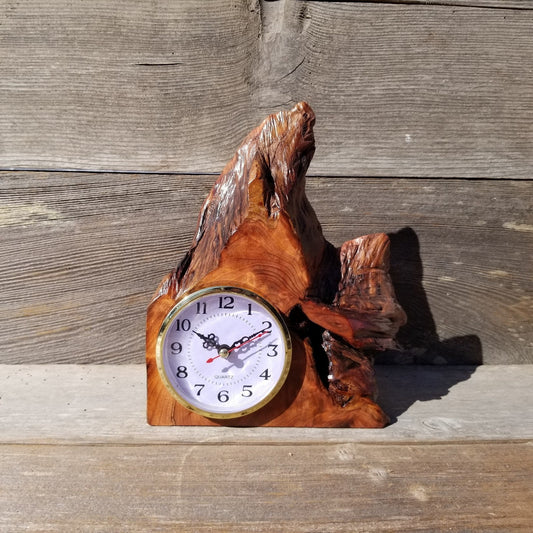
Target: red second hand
(211, 359)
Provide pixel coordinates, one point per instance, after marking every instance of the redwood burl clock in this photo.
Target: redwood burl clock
(264, 322)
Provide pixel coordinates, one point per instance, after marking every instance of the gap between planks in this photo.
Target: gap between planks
(520, 5)
(310, 175)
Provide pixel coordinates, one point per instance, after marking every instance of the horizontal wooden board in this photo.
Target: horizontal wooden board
(499, 4)
(106, 404)
(411, 90)
(399, 90)
(75, 451)
(120, 84)
(83, 253)
(319, 488)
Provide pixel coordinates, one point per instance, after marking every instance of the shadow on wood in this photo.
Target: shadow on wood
(418, 337)
(424, 384)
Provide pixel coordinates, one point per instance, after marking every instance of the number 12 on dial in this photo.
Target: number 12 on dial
(223, 352)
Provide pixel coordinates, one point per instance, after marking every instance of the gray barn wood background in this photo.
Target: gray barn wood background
(116, 117)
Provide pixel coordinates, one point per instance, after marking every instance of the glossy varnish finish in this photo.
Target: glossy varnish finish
(258, 231)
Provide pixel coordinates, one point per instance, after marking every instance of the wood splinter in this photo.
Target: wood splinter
(258, 231)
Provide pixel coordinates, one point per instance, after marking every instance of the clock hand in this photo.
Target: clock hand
(224, 352)
(248, 338)
(210, 341)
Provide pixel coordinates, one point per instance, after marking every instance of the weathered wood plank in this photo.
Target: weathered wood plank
(106, 404)
(499, 4)
(399, 90)
(123, 84)
(408, 90)
(328, 488)
(460, 259)
(83, 253)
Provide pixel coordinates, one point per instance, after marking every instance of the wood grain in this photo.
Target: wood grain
(422, 89)
(83, 253)
(106, 404)
(400, 90)
(122, 85)
(473, 487)
(257, 231)
(499, 4)
(446, 64)
(75, 449)
(452, 245)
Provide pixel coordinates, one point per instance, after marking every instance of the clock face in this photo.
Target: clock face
(223, 352)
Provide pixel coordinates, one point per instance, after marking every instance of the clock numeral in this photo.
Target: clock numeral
(183, 325)
(182, 372)
(199, 387)
(265, 375)
(249, 309)
(223, 396)
(268, 324)
(175, 348)
(274, 350)
(201, 308)
(226, 302)
(246, 391)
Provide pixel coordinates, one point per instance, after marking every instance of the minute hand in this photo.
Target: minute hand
(248, 338)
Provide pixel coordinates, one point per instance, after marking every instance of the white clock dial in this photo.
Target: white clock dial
(223, 352)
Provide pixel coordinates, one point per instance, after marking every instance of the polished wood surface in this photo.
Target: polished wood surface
(258, 231)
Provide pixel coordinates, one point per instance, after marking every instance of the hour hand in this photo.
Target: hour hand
(210, 341)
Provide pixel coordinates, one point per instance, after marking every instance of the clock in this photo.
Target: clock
(223, 352)
(218, 351)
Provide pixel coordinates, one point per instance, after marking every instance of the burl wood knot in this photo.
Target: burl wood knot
(257, 230)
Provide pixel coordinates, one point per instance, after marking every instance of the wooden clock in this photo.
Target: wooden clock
(264, 322)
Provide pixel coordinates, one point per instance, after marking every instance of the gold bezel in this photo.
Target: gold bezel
(185, 302)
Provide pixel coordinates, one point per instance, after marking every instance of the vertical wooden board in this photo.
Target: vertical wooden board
(409, 90)
(124, 85)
